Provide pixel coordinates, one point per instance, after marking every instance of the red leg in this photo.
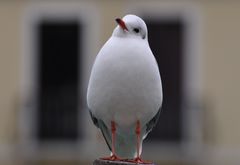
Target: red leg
(113, 156)
(138, 159)
(138, 138)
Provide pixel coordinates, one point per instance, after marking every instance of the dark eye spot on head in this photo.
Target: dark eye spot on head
(136, 30)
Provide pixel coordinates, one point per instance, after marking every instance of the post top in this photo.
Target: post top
(108, 162)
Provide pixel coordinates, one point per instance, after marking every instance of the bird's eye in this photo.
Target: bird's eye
(136, 30)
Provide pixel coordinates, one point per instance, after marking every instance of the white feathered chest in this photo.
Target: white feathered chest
(125, 84)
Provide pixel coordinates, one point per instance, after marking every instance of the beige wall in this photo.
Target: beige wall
(220, 71)
(10, 48)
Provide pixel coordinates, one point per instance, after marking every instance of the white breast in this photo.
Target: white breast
(125, 84)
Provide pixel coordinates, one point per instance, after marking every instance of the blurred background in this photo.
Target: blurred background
(47, 49)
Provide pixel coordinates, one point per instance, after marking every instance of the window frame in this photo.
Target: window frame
(192, 142)
(87, 16)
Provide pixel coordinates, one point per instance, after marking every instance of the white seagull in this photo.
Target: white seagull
(125, 91)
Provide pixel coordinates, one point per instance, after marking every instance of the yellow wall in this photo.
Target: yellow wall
(220, 71)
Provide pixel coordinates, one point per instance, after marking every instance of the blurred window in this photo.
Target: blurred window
(58, 74)
(166, 42)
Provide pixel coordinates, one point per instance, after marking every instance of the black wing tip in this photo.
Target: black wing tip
(153, 122)
(94, 119)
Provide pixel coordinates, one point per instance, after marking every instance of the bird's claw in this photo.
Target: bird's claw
(112, 158)
(138, 160)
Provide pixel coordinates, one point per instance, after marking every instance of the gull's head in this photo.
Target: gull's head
(131, 26)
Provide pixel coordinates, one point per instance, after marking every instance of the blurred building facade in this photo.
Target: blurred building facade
(203, 39)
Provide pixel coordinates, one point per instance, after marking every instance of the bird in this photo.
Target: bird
(124, 94)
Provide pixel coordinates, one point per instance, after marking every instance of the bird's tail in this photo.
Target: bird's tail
(125, 144)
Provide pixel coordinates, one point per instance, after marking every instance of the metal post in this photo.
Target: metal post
(107, 162)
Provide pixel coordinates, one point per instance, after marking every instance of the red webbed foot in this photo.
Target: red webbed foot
(139, 161)
(112, 158)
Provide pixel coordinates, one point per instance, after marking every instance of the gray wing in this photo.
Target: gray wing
(105, 132)
(152, 123)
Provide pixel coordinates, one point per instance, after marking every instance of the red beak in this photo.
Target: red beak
(121, 23)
